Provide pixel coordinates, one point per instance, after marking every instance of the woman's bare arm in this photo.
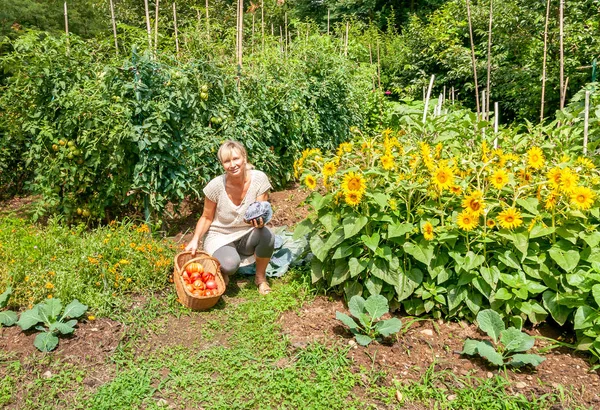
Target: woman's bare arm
(208, 214)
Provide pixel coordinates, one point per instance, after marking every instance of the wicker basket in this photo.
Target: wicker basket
(210, 265)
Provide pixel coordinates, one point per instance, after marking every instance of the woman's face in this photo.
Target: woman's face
(234, 163)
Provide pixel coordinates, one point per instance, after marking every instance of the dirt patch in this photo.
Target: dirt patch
(427, 342)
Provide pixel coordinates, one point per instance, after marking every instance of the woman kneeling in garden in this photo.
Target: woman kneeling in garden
(231, 239)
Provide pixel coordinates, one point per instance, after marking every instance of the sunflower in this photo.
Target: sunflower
(310, 182)
(456, 190)
(582, 198)
(427, 230)
(467, 221)
(344, 147)
(499, 178)
(490, 223)
(551, 200)
(586, 162)
(443, 178)
(387, 162)
(535, 158)
(565, 158)
(474, 203)
(353, 198)
(510, 218)
(329, 169)
(354, 182)
(554, 177)
(568, 180)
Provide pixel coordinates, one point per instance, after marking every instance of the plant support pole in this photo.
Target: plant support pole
(207, 25)
(489, 62)
(262, 22)
(563, 86)
(473, 59)
(114, 26)
(544, 61)
(586, 120)
(148, 29)
(427, 98)
(496, 116)
(346, 41)
(175, 28)
(156, 25)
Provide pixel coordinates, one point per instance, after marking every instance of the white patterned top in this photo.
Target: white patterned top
(228, 224)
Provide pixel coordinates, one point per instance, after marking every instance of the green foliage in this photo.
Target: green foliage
(54, 321)
(368, 312)
(7, 317)
(508, 344)
(101, 268)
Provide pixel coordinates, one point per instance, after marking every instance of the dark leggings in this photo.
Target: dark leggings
(259, 242)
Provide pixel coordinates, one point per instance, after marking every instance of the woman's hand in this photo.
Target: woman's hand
(192, 247)
(257, 223)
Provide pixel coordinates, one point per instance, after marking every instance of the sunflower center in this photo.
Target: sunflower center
(580, 198)
(509, 219)
(353, 185)
(442, 177)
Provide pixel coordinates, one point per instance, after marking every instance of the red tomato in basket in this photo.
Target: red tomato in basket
(189, 287)
(198, 284)
(211, 284)
(199, 293)
(194, 277)
(211, 292)
(186, 277)
(206, 276)
(194, 267)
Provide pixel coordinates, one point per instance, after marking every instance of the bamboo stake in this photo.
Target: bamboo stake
(562, 54)
(262, 22)
(424, 93)
(346, 41)
(483, 113)
(328, 21)
(438, 107)
(147, 25)
(452, 92)
(496, 116)
(114, 26)
(175, 28)
(473, 58)
(286, 33)
(207, 23)
(444, 99)
(241, 31)
(67, 26)
(489, 62)
(427, 98)
(370, 54)
(564, 97)
(378, 66)
(544, 62)
(253, 33)
(586, 119)
(156, 26)
(272, 30)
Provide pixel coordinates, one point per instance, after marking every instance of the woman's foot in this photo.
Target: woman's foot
(263, 288)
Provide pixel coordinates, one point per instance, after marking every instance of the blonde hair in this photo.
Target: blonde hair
(228, 147)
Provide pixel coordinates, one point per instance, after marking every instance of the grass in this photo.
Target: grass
(233, 356)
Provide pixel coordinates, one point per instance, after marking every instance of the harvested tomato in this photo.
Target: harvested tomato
(186, 277)
(189, 287)
(210, 292)
(198, 284)
(195, 276)
(206, 276)
(211, 284)
(194, 267)
(198, 293)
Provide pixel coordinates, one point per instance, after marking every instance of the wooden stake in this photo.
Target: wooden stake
(262, 22)
(207, 24)
(156, 25)
(586, 119)
(148, 25)
(564, 97)
(562, 54)
(444, 99)
(241, 33)
(253, 33)
(66, 21)
(328, 21)
(452, 95)
(438, 108)
(370, 54)
(286, 33)
(378, 66)
(427, 98)
(544, 62)
(473, 59)
(489, 62)
(175, 28)
(114, 26)
(346, 41)
(483, 113)
(496, 116)
(272, 30)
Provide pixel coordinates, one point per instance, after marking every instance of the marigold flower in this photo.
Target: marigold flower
(510, 218)
(582, 198)
(535, 158)
(467, 221)
(49, 285)
(499, 179)
(427, 230)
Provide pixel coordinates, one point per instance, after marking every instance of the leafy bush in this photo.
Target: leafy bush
(368, 312)
(507, 343)
(7, 317)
